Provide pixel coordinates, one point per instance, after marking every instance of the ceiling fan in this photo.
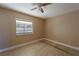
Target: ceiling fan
(39, 6)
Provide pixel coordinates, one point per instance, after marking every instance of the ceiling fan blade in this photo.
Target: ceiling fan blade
(44, 4)
(41, 10)
(34, 8)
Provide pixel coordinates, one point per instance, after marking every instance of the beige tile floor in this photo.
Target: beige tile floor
(36, 49)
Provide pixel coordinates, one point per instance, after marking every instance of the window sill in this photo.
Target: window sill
(24, 34)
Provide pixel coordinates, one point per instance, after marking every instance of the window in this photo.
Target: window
(23, 27)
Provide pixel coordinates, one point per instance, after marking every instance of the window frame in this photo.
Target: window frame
(27, 32)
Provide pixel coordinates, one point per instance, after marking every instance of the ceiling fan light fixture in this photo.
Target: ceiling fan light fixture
(40, 5)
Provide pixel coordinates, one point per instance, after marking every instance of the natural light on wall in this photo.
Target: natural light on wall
(23, 27)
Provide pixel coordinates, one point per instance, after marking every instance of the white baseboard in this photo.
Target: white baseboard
(56, 42)
(63, 44)
(17, 46)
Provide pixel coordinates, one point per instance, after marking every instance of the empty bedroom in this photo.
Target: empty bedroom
(39, 29)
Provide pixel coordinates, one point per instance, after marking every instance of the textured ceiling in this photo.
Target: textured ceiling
(52, 10)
